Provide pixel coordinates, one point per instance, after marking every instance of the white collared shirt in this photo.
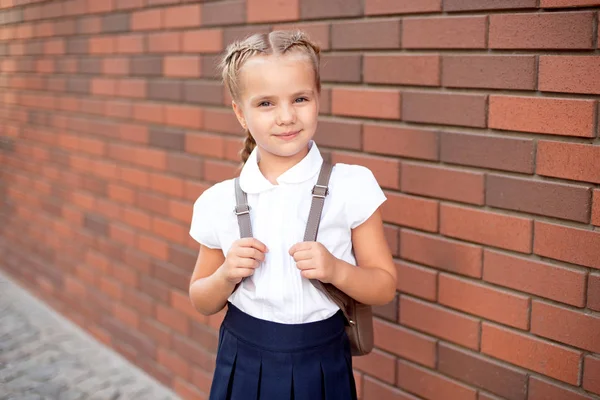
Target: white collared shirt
(279, 213)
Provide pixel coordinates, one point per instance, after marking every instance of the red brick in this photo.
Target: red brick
(441, 322)
(164, 42)
(593, 292)
(129, 4)
(173, 363)
(378, 7)
(441, 253)
(148, 112)
(370, 103)
(144, 20)
(224, 13)
(432, 385)
(115, 66)
(272, 10)
(102, 45)
(204, 144)
(375, 390)
(129, 44)
(400, 141)
(482, 372)
(569, 74)
(100, 7)
(541, 389)
(538, 197)
(417, 281)
(442, 182)
(566, 326)
(466, 5)
(577, 246)
(529, 352)
(568, 117)
(318, 32)
(182, 66)
(377, 364)
(486, 151)
(568, 3)
(184, 116)
(223, 121)
(182, 16)
(493, 72)
(444, 33)
(318, 9)
(596, 207)
(510, 232)
(402, 69)
(542, 279)
(443, 108)
(405, 343)
(103, 86)
(484, 301)
(568, 30)
(411, 211)
(203, 41)
(591, 374)
(574, 161)
(386, 170)
(379, 34)
(215, 171)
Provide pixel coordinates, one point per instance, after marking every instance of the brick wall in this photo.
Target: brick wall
(478, 117)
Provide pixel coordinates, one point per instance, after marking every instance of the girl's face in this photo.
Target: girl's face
(279, 104)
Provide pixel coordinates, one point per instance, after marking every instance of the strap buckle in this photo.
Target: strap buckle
(242, 209)
(320, 191)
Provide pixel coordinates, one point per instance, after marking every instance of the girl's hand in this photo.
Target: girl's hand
(244, 256)
(315, 262)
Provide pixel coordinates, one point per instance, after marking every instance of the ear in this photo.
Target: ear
(239, 114)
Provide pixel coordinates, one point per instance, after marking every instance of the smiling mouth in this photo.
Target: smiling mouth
(288, 135)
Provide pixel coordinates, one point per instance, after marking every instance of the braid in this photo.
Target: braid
(249, 145)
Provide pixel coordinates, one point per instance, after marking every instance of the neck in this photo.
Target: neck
(272, 166)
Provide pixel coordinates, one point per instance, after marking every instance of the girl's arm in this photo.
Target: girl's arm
(374, 281)
(209, 290)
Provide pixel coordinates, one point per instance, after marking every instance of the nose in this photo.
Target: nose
(286, 115)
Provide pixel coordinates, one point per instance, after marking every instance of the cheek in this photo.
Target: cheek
(260, 121)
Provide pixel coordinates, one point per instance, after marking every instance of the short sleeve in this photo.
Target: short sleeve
(203, 226)
(363, 195)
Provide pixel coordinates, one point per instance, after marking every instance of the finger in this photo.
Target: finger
(251, 252)
(248, 263)
(310, 274)
(299, 246)
(244, 272)
(303, 255)
(304, 265)
(253, 242)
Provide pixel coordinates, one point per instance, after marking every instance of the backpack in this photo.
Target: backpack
(358, 316)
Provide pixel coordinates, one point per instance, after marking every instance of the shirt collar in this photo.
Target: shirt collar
(253, 181)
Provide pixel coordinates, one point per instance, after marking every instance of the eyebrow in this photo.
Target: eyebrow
(267, 97)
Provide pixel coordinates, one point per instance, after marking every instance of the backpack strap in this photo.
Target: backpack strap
(319, 192)
(242, 210)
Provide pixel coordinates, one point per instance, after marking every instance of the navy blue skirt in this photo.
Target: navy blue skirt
(259, 359)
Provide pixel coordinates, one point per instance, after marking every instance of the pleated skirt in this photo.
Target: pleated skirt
(265, 360)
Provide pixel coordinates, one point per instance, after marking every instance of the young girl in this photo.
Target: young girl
(281, 337)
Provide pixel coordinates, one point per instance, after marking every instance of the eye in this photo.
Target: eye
(264, 104)
(301, 99)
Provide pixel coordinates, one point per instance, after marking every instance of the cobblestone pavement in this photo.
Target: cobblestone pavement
(44, 356)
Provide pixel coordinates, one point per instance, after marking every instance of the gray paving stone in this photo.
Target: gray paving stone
(43, 356)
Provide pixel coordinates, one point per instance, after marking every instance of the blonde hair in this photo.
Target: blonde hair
(276, 43)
